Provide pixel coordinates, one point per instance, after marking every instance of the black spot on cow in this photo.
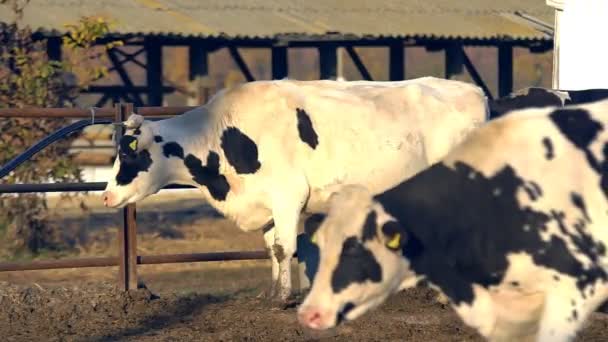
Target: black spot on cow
(586, 96)
(577, 125)
(578, 202)
(355, 265)
(279, 252)
(131, 162)
(158, 139)
(369, 227)
(533, 190)
(240, 150)
(173, 149)
(467, 242)
(556, 277)
(137, 131)
(548, 147)
(306, 130)
(604, 171)
(208, 175)
(312, 223)
(574, 314)
(515, 283)
(526, 98)
(580, 129)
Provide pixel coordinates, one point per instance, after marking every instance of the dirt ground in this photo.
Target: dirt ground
(194, 301)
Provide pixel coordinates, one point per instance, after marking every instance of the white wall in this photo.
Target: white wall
(581, 50)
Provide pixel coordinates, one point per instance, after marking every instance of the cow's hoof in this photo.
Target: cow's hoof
(442, 299)
(283, 304)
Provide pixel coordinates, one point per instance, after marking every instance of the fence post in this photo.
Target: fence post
(127, 236)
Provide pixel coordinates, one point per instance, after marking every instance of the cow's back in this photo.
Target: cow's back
(372, 133)
(559, 152)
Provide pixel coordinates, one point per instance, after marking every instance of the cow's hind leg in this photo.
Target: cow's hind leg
(269, 241)
(287, 208)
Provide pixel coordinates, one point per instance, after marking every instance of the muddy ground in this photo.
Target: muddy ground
(194, 301)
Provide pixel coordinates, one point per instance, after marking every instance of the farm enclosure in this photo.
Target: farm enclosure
(192, 301)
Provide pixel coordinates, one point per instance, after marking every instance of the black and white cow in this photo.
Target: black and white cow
(511, 226)
(543, 97)
(264, 152)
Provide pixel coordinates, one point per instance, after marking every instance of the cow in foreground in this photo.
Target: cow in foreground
(511, 226)
(265, 152)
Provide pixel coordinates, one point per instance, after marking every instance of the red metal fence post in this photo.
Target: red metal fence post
(127, 236)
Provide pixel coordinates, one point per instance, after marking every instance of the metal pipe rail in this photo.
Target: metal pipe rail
(127, 258)
(80, 113)
(141, 260)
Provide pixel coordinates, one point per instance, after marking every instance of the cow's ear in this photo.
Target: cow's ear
(134, 121)
(393, 235)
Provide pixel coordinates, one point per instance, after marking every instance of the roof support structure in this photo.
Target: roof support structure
(358, 63)
(200, 48)
(328, 61)
(280, 63)
(240, 62)
(154, 71)
(129, 57)
(53, 48)
(505, 69)
(453, 60)
(198, 71)
(396, 61)
(475, 75)
(124, 76)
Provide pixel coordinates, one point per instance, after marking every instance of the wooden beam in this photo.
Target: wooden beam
(240, 62)
(198, 64)
(359, 63)
(53, 48)
(198, 70)
(505, 70)
(124, 76)
(122, 89)
(453, 60)
(396, 61)
(127, 236)
(129, 57)
(475, 75)
(154, 71)
(280, 64)
(328, 61)
(102, 100)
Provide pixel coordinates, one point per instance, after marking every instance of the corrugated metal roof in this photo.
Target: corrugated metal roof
(470, 19)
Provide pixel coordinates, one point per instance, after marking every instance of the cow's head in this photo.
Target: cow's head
(139, 169)
(360, 262)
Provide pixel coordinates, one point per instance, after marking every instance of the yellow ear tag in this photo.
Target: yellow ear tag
(394, 242)
(133, 145)
(313, 239)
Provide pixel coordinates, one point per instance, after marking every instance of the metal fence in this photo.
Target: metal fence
(127, 259)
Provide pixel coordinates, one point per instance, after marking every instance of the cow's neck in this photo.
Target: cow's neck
(197, 135)
(194, 131)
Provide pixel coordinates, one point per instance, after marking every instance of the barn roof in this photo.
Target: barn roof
(522, 20)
